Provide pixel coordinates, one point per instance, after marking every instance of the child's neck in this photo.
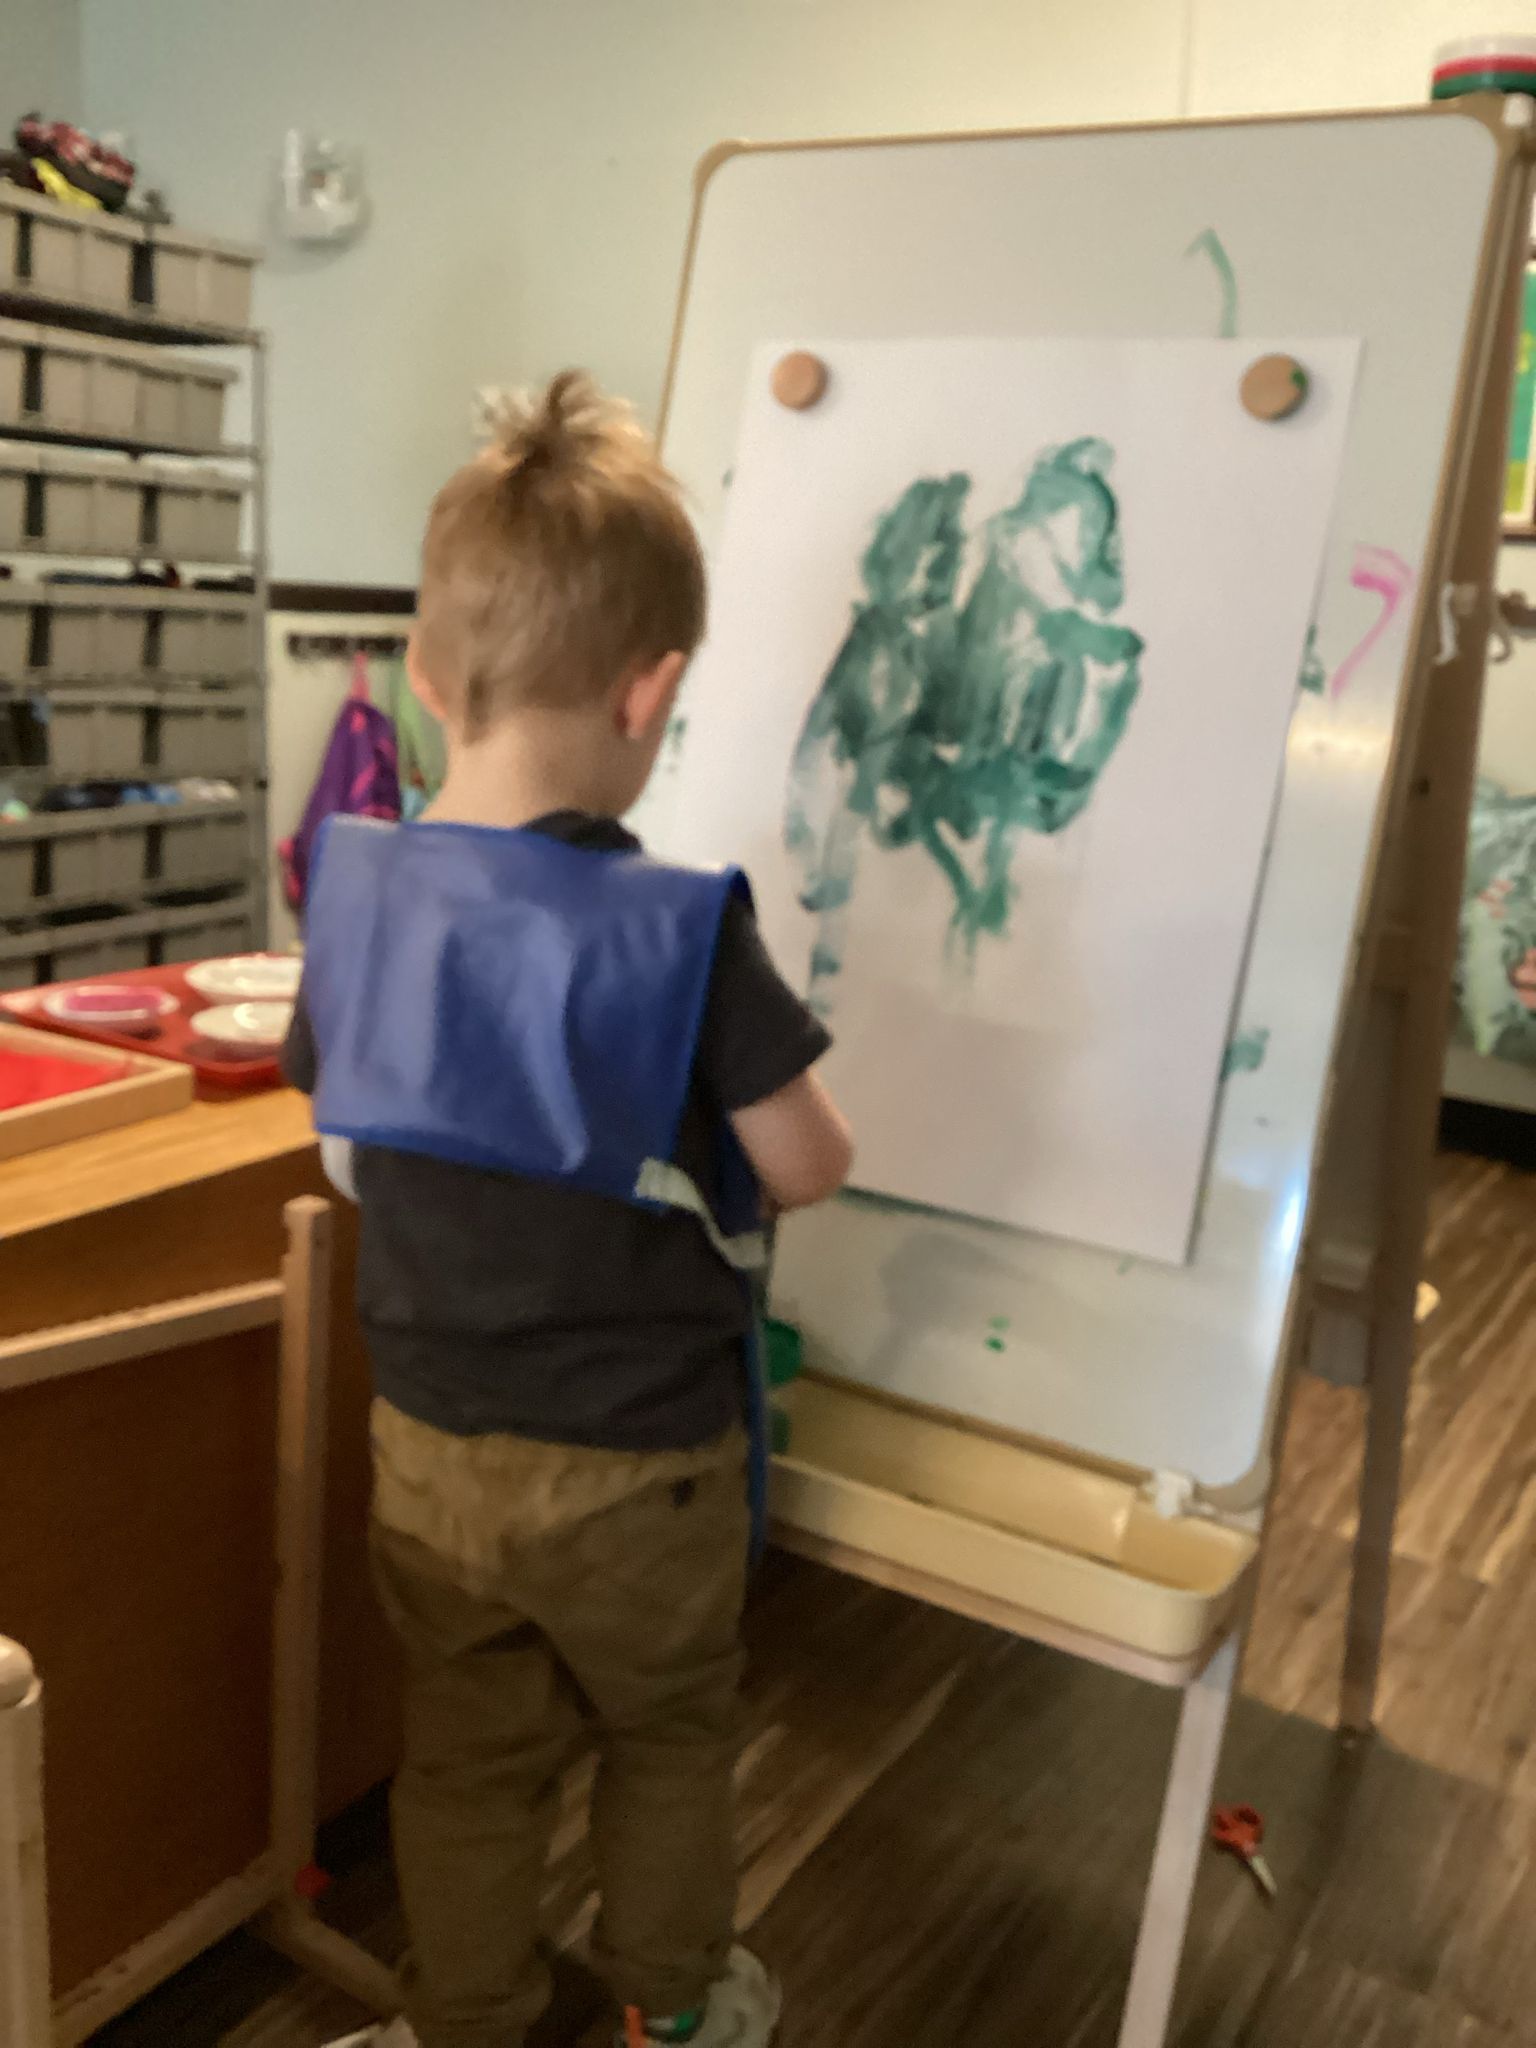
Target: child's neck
(527, 768)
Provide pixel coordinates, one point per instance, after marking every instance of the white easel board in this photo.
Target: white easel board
(1362, 226)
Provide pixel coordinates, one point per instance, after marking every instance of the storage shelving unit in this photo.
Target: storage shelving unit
(114, 464)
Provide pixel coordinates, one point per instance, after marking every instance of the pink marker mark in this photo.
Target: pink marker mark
(1389, 576)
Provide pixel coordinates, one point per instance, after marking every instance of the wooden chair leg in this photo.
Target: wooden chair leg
(291, 1925)
(25, 2020)
(1181, 1840)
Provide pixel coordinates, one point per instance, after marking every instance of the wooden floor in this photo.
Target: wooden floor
(944, 1833)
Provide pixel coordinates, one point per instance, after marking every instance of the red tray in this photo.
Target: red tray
(172, 1038)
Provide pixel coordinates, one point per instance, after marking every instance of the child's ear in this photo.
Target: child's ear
(421, 687)
(649, 696)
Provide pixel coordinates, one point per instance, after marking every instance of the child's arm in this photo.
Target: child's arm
(799, 1143)
(757, 1051)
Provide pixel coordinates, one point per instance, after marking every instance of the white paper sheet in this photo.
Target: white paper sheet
(1044, 1053)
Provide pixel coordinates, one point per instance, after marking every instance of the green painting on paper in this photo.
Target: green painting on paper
(963, 710)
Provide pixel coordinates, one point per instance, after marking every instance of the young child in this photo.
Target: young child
(572, 1082)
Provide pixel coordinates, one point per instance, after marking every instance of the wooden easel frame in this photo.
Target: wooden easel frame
(1375, 1180)
(1366, 1273)
(298, 1304)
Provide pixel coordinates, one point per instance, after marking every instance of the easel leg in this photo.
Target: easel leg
(1181, 1838)
(1422, 887)
(1391, 1376)
(24, 1993)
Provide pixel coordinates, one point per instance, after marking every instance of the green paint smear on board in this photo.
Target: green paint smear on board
(999, 1327)
(1314, 676)
(953, 719)
(1209, 243)
(1245, 1055)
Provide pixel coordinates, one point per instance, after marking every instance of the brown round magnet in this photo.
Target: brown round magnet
(1273, 387)
(799, 380)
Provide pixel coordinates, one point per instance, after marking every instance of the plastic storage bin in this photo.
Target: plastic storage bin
(83, 385)
(67, 253)
(220, 934)
(95, 738)
(101, 953)
(112, 390)
(207, 637)
(105, 858)
(204, 849)
(98, 630)
(14, 342)
(206, 735)
(200, 281)
(18, 861)
(18, 470)
(21, 969)
(17, 602)
(194, 513)
(56, 501)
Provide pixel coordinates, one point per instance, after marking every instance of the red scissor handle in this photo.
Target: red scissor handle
(1238, 1828)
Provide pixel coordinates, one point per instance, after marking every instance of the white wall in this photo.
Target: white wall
(39, 60)
(531, 164)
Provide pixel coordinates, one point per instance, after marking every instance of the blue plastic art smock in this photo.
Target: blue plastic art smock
(505, 1000)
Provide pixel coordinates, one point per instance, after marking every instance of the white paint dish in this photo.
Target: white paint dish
(245, 1027)
(248, 977)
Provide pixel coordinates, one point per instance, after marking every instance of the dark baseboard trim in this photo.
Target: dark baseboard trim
(1491, 1132)
(341, 597)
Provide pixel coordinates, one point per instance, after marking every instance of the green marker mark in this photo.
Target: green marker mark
(1125, 1266)
(999, 1327)
(1209, 243)
(676, 733)
(1314, 676)
(1245, 1055)
(953, 719)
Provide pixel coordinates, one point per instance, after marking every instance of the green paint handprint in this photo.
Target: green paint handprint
(953, 723)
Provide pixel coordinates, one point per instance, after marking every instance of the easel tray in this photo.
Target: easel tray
(1034, 1543)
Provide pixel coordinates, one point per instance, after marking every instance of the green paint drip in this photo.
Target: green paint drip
(999, 1327)
(996, 1344)
(951, 720)
(1209, 243)
(1314, 676)
(1245, 1055)
(676, 733)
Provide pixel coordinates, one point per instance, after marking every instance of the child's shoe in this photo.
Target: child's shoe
(742, 2011)
(397, 2034)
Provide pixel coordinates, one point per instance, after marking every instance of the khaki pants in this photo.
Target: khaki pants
(542, 1593)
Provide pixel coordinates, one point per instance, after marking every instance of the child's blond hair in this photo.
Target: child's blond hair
(558, 561)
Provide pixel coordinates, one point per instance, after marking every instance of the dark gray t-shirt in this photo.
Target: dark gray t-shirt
(494, 1302)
